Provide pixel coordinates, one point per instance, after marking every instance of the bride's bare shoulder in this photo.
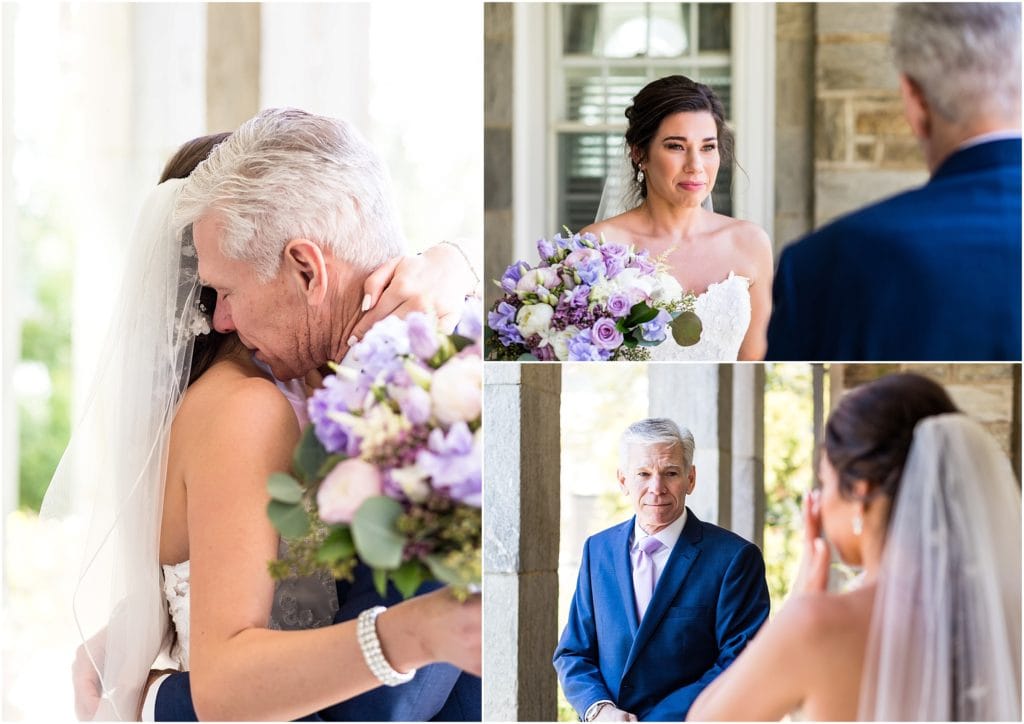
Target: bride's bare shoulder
(615, 227)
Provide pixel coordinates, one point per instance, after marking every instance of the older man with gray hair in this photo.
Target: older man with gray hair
(664, 601)
(932, 273)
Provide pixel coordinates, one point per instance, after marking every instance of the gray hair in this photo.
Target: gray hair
(964, 56)
(288, 174)
(654, 430)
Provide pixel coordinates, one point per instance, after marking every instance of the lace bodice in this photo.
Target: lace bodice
(724, 311)
(299, 603)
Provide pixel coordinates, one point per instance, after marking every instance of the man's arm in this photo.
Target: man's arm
(575, 659)
(742, 609)
(783, 330)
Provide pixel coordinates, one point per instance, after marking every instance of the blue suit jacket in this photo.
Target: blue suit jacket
(710, 600)
(438, 692)
(931, 274)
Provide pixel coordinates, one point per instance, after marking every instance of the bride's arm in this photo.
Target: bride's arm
(239, 668)
(758, 248)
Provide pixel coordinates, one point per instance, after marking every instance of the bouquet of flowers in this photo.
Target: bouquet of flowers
(588, 299)
(389, 471)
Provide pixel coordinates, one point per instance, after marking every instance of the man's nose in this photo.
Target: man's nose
(222, 317)
(654, 485)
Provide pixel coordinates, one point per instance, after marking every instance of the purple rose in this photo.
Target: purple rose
(619, 304)
(642, 262)
(503, 321)
(582, 349)
(422, 335)
(654, 331)
(615, 257)
(605, 335)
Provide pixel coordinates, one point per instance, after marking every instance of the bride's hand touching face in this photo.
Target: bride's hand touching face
(681, 162)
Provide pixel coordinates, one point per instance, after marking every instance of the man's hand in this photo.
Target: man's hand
(436, 281)
(814, 566)
(608, 712)
(86, 679)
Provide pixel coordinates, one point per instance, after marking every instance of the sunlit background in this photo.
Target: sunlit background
(96, 97)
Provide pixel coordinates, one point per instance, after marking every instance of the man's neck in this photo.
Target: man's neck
(948, 139)
(345, 310)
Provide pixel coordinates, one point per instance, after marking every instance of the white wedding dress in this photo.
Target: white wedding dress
(724, 311)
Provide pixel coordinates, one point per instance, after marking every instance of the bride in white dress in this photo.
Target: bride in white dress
(677, 139)
(184, 429)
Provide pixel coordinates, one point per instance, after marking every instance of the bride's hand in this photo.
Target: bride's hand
(448, 630)
(436, 281)
(814, 566)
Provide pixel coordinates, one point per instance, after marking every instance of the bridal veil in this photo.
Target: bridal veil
(945, 641)
(111, 477)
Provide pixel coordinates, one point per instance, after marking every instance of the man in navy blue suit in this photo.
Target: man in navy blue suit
(664, 602)
(933, 273)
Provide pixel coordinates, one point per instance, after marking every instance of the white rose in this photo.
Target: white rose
(456, 390)
(533, 318)
(633, 281)
(559, 340)
(667, 289)
(345, 488)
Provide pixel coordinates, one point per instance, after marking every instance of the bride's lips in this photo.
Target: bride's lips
(691, 185)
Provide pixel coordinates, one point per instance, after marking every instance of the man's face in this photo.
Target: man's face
(271, 318)
(657, 482)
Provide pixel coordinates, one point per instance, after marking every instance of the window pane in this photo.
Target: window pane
(670, 31)
(579, 29)
(623, 84)
(721, 195)
(715, 26)
(584, 95)
(624, 30)
(583, 160)
(720, 81)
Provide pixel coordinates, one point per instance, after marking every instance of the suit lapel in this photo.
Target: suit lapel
(624, 575)
(677, 567)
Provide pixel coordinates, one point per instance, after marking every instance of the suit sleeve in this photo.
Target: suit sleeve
(783, 326)
(742, 609)
(576, 658)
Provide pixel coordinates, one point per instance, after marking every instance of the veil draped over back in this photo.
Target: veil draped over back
(111, 477)
(945, 641)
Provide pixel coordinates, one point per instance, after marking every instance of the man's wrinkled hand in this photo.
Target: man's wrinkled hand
(611, 713)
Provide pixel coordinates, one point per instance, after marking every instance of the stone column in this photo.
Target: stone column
(723, 406)
(498, 92)
(232, 64)
(521, 504)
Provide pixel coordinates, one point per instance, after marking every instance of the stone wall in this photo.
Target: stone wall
(990, 393)
(498, 75)
(863, 147)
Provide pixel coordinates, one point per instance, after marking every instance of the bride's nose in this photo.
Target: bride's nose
(692, 162)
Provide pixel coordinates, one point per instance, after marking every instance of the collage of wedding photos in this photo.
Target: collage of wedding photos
(511, 361)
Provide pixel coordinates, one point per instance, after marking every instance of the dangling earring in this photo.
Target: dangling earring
(640, 176)
(858, 525)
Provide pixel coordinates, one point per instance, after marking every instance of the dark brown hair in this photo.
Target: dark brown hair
(869, 433)
(181, 165)
(661, 98)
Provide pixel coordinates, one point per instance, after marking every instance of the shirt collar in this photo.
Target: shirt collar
(1003, 135)
(667, 535)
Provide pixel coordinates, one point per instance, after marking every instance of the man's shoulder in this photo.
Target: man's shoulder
(724, 540)
(609, 534)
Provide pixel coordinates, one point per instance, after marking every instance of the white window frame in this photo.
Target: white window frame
(535, 135)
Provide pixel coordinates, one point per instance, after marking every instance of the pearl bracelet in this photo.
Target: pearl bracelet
(366, 632)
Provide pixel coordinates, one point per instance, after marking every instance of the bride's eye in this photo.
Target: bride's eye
(710, 147)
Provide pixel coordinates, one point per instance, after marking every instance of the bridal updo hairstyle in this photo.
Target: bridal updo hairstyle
(181, 165)
(664, 97)
(869, 433)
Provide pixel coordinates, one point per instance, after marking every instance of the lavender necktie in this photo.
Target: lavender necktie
(644, 577)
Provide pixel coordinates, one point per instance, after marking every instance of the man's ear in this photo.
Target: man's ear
(915, 107)
(306, 265)
(622, 482)
(692, 475)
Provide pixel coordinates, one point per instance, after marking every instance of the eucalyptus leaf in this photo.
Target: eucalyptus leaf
(461, 342)
(328, 465)
(526, 357)
(337, 546)
(380, 582)
(445, 573)
(284, 488)
(291, 520)
(373, 529)
(640, 313)
(409, 577)
(686, 329)
(309, 455)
